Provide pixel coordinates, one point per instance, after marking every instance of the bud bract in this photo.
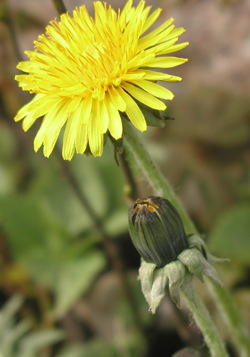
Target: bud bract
(156, 230)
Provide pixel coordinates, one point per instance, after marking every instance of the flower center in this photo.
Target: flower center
(101, 67)
(145, 204)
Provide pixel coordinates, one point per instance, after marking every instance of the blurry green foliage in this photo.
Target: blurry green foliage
(95, 348)
(16, 339)
(52, 242)
(212, 116)
(47, 229)
(43, 246)
(102, 348)
(230, 236)
(49, 244)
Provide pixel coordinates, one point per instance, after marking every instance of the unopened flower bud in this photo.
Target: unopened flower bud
(156, 230)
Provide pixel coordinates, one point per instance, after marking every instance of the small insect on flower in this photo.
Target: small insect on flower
(86, 72)
(156, 230)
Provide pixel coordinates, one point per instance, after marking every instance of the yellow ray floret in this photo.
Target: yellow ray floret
(86, 71)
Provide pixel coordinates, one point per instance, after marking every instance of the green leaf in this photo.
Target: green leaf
(75, 279)
(8, 142)
(117, 222)
(35, 237)
(50, 255)
(230, 236)
(100, 181)
(52, 186)
(94, 348)
(129, 345)
(36, 341)
(7, 183)
(16, 339)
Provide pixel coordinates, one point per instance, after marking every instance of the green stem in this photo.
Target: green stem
(112, 252)
(131, 189)
(139, 157)
(161, 187)
(206, 325)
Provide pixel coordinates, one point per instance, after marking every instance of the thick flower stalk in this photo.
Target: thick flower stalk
(86, 72)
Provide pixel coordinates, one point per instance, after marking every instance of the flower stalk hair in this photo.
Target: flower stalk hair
(87, 73)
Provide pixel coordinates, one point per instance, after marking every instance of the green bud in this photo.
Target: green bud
(156, 230)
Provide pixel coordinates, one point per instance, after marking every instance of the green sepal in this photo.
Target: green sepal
(153, 283)
(176, 275)
(154, 117)
(191, 259)
(197, 265)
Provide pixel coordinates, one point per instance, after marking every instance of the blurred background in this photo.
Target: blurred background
(63, 293)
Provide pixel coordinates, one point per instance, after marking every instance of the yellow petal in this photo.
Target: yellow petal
(47, 120)
(81, 137)
(163, 50)
(85, 108)
(126, 12)
(140, 60)
(159, 76)
(144, 97)
(166, 62)
(115, 123)
(158, 30)
(132, 76)
(25, 110)
(37, 109)
(177, 31)
(155, 89)
(167, 35)
(162, 47)
(160, 33)
(95, 136)
(77, 122)
(69, 136)
(133, 111)
(175, 48)
(75, 135)
(151, 19)
(53, 131)
(116, 99)
(72, 104)
(103, 116)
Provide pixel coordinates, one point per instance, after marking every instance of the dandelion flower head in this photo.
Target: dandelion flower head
(87, 73)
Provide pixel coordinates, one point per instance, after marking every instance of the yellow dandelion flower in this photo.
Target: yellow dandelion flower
(86, 72)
